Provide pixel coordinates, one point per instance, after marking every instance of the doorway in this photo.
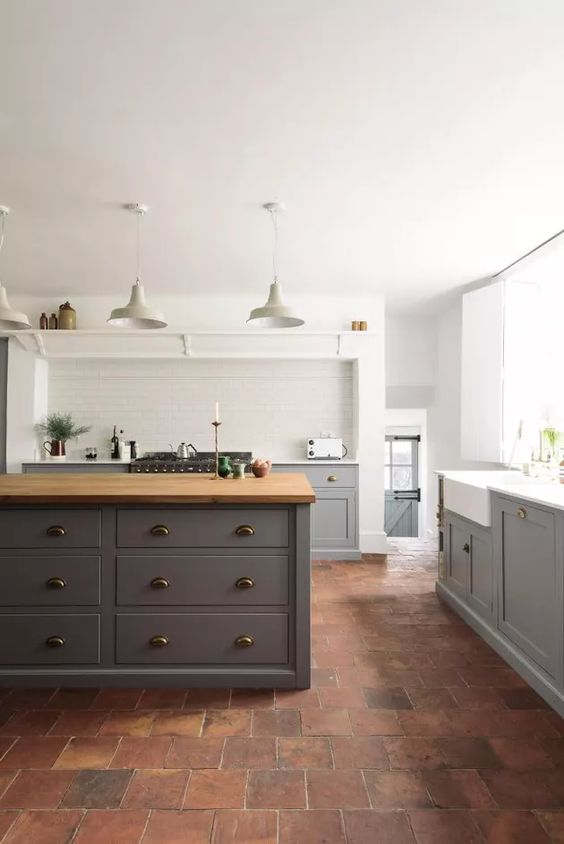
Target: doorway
(401, 485)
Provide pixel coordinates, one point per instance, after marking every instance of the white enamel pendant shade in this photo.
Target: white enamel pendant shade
(137, 313)
(275, 314)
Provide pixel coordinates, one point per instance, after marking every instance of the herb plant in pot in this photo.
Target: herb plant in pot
(59, 428)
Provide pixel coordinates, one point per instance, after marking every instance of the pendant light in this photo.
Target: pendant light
(275, 314)
(10, 320)
(137, 313)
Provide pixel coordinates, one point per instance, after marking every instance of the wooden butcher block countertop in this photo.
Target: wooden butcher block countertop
(277, 488)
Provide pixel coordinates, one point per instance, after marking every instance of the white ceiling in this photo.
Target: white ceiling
(417, 145)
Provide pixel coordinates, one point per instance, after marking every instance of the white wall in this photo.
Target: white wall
(410, 361)
(267, 407)
(26, 404)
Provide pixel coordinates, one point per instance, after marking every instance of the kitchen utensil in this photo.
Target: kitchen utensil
(183, 450)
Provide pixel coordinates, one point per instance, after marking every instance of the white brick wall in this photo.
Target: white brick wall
(267, 406)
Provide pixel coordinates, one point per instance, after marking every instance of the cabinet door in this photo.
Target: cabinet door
(528, 582)
(333, 519)
(480, 583)
(457, 542)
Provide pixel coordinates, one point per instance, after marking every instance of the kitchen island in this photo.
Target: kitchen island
(135, 580)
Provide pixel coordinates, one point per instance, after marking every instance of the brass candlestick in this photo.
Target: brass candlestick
(217, 475)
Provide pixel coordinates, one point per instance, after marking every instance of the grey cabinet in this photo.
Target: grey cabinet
(469, 570)
(334, 516)
(530, 584)
(66, 467)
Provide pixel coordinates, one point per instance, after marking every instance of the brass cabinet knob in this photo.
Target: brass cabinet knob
(55, 642)
(466, 548)
(160, 530)
(160, 583)
(159, 641)
(244, 641)
(245, 530)
(332, 478)
(245, 583)
(56, 583)
(521, 512)
(56, 530)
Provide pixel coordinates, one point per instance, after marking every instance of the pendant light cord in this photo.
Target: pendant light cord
(274, 246)
(138, 248)
(2, 226)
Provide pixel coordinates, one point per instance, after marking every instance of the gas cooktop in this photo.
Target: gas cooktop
(167, 461)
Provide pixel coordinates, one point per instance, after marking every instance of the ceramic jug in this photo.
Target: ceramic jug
(224, 467)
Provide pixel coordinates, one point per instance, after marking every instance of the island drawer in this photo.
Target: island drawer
(238, 581)
(199, 638)
(201, 528)
(54, 581)
(49, 639)
(327, 475)
(55, 528)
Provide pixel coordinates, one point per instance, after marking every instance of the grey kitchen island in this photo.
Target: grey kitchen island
(126, 580)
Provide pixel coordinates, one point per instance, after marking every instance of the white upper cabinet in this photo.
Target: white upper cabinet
(498, 368)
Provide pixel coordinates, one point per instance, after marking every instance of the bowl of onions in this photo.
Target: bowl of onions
(261, 468)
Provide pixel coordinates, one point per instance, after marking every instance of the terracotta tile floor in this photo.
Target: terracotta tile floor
(415, 733)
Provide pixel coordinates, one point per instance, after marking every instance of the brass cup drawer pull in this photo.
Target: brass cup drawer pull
(56, 530)
(466, 547)
(521, 512)
(332, 478)
(245, 583)
(245, 530)
(160, 583)
(159, 641)
(55, 642)
(56, 583)
(159, 530)
(244, 641)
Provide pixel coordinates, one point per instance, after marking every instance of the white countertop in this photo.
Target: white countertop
(547, 493)
(305, 462)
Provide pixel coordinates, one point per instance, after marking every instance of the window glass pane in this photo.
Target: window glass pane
(401, 477)
(401, 450)
(387, 478)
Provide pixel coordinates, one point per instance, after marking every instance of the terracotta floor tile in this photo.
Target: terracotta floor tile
(231, 722)
(36, 722)
(5, 745)
(116, 699)
(376, 827)
(78, 722)
(522, 698)
(96, 790)
(554, 747)
(72, 698)
(467, 752)
(207, 699)
(409, 752)
(553, 824)
(156, 789)
(493, 678)
(387, 698)
(178, 828)
(296, 698)
(182, 723)
(375, 722)
(195, 753)
(216, 790)
(527, 723)
(33, 752)
(36, 790)
(423, 723)
(6, 821)
(325, 722)
(519, 790)
(87, 752)
(125, 827)
(511, 828)
(423, 698)
(44, 827)
(520, 754)
(336, 789)
(6, 778)
(396, 789)
(458, 790)
(29, 698)
(252, 699)
(276, 790)
(477, 698)
(304, 753)
(351, 698)
(323, 678)
(359, 752)
(236, 827)
(308, 827)
(162, 699)
(141, 752)
(276, 722)
(445, 828)
(128, 724)
(246, 753)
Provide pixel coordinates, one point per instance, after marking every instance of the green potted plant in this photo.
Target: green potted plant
(552, 437)
(59, 428)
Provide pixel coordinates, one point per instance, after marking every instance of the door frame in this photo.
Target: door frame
(410, 422)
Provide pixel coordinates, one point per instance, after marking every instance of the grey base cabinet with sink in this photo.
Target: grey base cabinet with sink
(171, 595)
(334, 516)
(507, 583)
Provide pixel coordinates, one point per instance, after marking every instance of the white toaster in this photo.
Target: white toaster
(325, 448)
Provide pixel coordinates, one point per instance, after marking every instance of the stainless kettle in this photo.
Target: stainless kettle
(183, 450)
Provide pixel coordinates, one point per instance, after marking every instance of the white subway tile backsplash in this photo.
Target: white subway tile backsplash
(267, 406)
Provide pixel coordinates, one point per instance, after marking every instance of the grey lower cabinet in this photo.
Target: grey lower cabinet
(334, 516)
(166, 595)
(507, 583)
